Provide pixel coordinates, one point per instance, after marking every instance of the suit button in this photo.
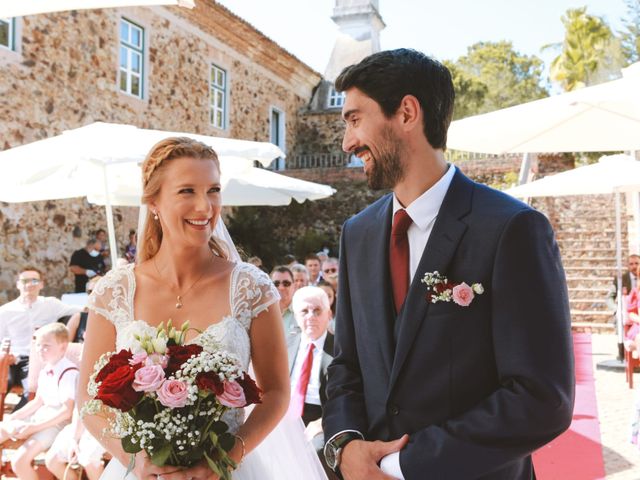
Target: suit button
(394, 410)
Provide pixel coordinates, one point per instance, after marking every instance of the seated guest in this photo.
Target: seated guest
(282, 279)
(331, 293)
(312, 262)
(75, 445)
(40, 421)
(330, 271)
(310, 353)
(21, 317)
(101, 236)
(300, 276)
(86, 263)
(131, 249)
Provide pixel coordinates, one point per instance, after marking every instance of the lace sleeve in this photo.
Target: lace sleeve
(113, 294)
(252, 292)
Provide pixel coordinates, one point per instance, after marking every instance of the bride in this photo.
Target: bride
(184, 272)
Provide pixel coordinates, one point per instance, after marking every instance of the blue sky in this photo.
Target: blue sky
(443, 29)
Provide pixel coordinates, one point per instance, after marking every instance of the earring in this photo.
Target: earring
(155, 215)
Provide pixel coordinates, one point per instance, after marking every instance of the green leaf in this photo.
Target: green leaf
(219, 427)
(213, 466)
(227, 441)
(128, 445)
(159, 457)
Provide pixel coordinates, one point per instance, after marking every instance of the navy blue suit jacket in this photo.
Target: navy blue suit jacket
(478, 388)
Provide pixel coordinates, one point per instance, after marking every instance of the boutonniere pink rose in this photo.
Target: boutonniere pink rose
(440, 289)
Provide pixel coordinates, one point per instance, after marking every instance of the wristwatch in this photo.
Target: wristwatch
(333, 448)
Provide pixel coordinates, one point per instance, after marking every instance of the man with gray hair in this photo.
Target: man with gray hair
(310, 353)
(300, 276)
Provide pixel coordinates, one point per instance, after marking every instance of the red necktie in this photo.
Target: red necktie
(399, 257)
(297, 400)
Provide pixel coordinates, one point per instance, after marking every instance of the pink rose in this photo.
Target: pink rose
(148, 379)
(233, 395)
(157, 359)
(138, 358)
(463, 294)
(173, 394)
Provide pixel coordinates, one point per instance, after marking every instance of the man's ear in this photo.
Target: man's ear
(410, 113)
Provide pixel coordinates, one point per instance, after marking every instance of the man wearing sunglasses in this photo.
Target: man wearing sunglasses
(330, 271)
(282, 279)
(20, 318)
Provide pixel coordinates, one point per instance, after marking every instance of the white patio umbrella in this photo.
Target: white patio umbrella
(601, 118)
(93, 159)
(19, 8)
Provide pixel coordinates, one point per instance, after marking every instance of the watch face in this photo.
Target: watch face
(330, 455)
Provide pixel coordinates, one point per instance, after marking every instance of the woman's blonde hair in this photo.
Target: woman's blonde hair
(152, 168)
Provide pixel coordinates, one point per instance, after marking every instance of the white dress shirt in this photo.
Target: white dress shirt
(423, 211)
(18, 320)
(313, 388)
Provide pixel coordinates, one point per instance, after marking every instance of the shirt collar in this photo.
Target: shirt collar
(319, 343)
(59, 366)
(426, 207)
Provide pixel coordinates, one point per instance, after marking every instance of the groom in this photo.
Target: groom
(422, 387)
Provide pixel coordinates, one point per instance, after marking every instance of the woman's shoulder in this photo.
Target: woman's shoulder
(250, 271)
(116, 277)
(117, 283)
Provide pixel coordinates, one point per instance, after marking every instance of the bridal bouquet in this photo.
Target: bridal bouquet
(167, 398)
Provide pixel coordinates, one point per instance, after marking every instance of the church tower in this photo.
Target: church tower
(360, 24)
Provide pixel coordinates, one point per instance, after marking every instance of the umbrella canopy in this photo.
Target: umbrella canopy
(78, 162)
(19, 8)
(100, 162)
(612, 174)
(242, 185)
(601, 118)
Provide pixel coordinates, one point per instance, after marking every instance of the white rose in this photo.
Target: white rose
(477, 288)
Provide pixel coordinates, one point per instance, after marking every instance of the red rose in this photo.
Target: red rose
(252, 392)
(210, 381)
(178, 354)
(115, 361)
(116, 390)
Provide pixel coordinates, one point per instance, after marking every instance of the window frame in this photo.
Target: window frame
(214, 89)
(11, 38)
(335, 99)
(131, 49)
(279, 163)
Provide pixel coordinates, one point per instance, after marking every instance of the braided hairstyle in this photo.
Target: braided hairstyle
(153, 168)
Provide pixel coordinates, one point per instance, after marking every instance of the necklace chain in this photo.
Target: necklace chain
(179, 303)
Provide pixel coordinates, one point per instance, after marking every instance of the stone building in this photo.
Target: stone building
(203, 71)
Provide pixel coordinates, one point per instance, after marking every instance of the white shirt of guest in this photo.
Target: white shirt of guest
(313, 389)
(423, 211)
(54, 388)
(18, 321)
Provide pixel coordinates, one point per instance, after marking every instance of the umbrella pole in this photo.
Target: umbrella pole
(109, 213)
(619, 312)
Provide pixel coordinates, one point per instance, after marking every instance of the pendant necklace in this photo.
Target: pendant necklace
(179, 303)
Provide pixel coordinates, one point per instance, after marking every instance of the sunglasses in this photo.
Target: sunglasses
(30, 281)
(285, 283)
(330, 270)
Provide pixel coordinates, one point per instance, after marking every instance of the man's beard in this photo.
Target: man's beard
(386, 169)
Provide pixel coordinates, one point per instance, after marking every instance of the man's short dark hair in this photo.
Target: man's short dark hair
(91, 242)
(31, 268)
(282, 269)
(311, 256)
(387, 77)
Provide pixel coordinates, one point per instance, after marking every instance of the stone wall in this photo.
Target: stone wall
(64, 75)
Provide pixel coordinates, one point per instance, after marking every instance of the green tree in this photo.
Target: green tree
(630, 36)
(509, 78)
(589, 54)
(470, 92)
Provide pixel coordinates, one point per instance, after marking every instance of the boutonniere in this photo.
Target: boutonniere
(440, 289)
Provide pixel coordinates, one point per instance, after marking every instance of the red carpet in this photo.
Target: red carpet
(576, 454)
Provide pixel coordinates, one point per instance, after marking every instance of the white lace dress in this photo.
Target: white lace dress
(284, 454)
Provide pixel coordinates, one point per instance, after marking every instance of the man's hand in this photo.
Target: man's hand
(360, 458)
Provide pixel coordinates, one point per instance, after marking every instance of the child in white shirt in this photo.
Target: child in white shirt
(40, 420)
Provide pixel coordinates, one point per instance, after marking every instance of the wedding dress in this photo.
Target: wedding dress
(284, 454)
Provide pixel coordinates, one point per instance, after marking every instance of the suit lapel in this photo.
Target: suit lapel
(447, 232)
(293, 343)
(380, 304)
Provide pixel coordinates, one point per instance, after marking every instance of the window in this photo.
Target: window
(131, 58)
(217, 97)
(336, 99)
(277, 136)
(7, 33)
